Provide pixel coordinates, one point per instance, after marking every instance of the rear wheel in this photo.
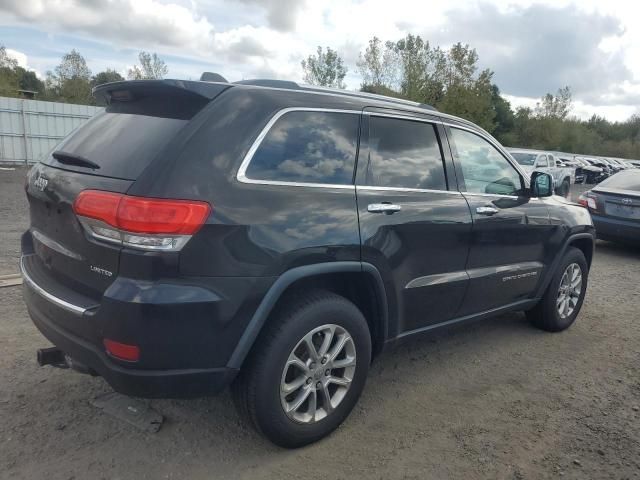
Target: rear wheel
(562, 301)
(307, 370)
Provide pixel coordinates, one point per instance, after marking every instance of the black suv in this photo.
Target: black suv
(276, 237)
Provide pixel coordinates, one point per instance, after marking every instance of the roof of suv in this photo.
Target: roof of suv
(209, 90)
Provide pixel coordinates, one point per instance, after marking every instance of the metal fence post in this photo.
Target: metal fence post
(24, 134)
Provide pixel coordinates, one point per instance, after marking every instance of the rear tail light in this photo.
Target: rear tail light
(122, 351)
(588, 200)
(145, 223)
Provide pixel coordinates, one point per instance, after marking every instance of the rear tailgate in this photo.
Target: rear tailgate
(107, 153)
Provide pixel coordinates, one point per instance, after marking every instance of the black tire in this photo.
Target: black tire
(545, 314)
(256, 391)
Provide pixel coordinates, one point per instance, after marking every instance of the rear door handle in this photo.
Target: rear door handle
(486, 210)
(387, 208)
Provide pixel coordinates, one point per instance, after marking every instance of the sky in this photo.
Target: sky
(532, 47)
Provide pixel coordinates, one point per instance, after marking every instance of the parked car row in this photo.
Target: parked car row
(569, 168)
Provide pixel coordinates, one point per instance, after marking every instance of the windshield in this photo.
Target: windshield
(526, 159)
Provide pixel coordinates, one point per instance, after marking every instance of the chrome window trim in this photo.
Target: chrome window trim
(241, 176)
(403, 189)
(70, 307)
(473, 194)
(433, 121)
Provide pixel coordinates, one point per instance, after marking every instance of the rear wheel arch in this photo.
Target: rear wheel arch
(359, 283)
(584, 244)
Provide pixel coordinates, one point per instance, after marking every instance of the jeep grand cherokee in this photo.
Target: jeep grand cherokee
(276, 237)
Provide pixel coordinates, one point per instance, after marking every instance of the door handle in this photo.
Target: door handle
(486, 210)
(387, 208)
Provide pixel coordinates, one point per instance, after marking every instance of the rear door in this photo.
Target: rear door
(511, 231)
(107, 153)
(414, 224)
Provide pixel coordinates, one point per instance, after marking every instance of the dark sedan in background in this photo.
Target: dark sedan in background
(615, 207)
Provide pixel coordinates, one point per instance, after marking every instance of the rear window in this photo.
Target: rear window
(525, 159)
(404, 154)
(124, 138)
(308, 147)
(623, 181)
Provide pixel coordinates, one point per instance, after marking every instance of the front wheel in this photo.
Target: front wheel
(307, 370)
(564, 296)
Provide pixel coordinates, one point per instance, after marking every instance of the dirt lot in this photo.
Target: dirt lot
(496, 399)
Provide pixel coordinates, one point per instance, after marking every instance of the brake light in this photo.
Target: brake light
(588, 200)
(148, 223)
(122, 351)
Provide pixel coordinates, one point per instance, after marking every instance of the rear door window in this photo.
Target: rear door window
(124, 138)
(404, 154)
(308, 147)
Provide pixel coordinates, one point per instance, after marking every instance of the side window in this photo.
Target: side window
(483, 167)
(404, 154)
(543, 161)
(308, 147)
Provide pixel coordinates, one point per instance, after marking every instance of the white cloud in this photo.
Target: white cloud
(23, 61)
(128, 23)
(591, 45)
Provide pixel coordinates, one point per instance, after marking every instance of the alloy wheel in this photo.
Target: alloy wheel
(569, 290)
(318, 374)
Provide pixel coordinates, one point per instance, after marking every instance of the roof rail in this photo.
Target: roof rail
(288, 84)
(265, 82)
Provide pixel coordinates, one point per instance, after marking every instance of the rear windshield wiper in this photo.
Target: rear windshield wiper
(71, 159)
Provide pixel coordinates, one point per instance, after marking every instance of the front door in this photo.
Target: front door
(511, 231)
(414, 224)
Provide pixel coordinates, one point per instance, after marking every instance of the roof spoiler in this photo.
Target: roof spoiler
(131, 89)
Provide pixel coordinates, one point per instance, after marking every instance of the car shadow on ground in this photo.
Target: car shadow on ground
(627, 250)
(207, 418)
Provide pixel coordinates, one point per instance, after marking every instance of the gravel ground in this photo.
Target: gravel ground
(496, 399)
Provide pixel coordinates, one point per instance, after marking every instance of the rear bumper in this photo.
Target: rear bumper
(130, 381)
(608, 228)
(186, 332)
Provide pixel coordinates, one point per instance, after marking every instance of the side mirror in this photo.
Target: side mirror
(541, 184)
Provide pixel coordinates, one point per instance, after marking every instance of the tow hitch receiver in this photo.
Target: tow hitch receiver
(51, 356)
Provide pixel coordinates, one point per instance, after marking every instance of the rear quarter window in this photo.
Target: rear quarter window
(308, 147)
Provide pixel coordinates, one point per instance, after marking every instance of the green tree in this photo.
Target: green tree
(107, 76)
(378, 66)
(151, 67)
(504, 117)
(473, 101)
(325, 69)
(9, 82)
(555, 106)
(71, 80)
(27, 80)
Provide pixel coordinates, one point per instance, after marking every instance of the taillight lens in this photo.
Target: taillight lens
(146, 223)
(588, 200)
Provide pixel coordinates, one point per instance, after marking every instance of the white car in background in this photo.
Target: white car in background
(537, 160)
